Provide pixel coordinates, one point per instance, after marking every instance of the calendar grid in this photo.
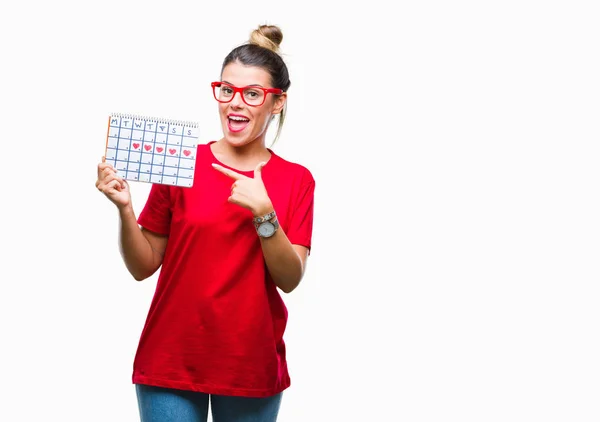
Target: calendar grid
(152, 159)
(166, 149)
(139, 169)
(118, 138)
(153, 156)
(179, 159)
(129, 147)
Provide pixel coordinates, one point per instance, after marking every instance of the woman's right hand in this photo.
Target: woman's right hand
(113, 186)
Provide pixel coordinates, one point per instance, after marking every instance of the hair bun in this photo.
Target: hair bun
(267, 36)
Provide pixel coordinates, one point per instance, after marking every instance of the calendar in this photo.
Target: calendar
(152, 150)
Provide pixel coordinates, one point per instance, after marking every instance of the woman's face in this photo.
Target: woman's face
(242, 123)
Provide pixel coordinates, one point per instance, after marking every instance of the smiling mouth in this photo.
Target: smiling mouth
(237, 123)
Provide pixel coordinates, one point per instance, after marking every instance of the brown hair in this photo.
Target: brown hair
(262, 50)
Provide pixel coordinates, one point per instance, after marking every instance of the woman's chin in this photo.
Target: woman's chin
(236, 139)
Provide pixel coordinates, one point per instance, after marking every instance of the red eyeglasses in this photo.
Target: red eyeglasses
(254, 96)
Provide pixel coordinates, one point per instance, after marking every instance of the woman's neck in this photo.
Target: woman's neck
(244, 157)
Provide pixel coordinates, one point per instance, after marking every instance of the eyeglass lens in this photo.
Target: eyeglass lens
(251, 96)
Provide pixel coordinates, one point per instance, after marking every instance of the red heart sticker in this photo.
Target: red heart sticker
(186, 152)
(172, 151)
(136, 145)
(159, 149)
(147, 147)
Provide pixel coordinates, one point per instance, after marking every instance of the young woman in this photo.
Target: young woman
(226, 247)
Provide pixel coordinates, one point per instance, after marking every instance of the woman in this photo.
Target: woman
(215, 326)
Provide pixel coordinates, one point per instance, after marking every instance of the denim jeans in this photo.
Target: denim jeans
(158, 404)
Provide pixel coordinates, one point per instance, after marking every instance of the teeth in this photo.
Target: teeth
(238, 119)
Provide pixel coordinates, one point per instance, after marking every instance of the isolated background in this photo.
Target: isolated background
(454, 273)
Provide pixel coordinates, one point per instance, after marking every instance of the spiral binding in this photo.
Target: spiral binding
(156, 119)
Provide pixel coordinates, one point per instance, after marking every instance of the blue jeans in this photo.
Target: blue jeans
(158, 404)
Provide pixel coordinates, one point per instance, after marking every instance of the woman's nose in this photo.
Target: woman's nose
(237, 99)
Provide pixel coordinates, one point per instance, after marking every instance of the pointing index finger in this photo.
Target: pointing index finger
(258, 170)
(227, 172)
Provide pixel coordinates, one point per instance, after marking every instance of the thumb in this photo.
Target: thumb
(258, 170)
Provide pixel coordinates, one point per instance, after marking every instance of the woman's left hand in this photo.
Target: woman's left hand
(248, 192)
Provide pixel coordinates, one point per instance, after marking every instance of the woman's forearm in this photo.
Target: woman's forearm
(140, 258)
(284, 263)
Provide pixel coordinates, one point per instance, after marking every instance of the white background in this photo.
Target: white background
(454, 273)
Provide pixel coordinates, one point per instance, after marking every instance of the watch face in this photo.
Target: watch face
(266, 229)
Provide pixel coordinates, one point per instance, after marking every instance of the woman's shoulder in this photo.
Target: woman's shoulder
(292, 168)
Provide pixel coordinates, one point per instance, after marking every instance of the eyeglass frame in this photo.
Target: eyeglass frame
(274, 91)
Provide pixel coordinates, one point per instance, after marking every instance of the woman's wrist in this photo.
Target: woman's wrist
(263, 209)
(125, 210)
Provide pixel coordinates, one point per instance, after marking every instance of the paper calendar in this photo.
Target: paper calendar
(152, 150)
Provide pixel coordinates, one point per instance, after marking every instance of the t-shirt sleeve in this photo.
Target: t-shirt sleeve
(156, 214)
(301, 224)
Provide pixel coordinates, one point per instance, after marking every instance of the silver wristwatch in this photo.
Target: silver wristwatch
(267, 225)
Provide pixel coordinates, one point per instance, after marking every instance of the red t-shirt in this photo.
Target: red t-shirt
(216, 321)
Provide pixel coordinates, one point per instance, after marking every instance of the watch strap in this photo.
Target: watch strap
(266, 217)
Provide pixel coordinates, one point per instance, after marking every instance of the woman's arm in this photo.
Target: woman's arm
(286, 262)
(141, 249)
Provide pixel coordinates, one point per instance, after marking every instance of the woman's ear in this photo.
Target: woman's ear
(279, 103)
